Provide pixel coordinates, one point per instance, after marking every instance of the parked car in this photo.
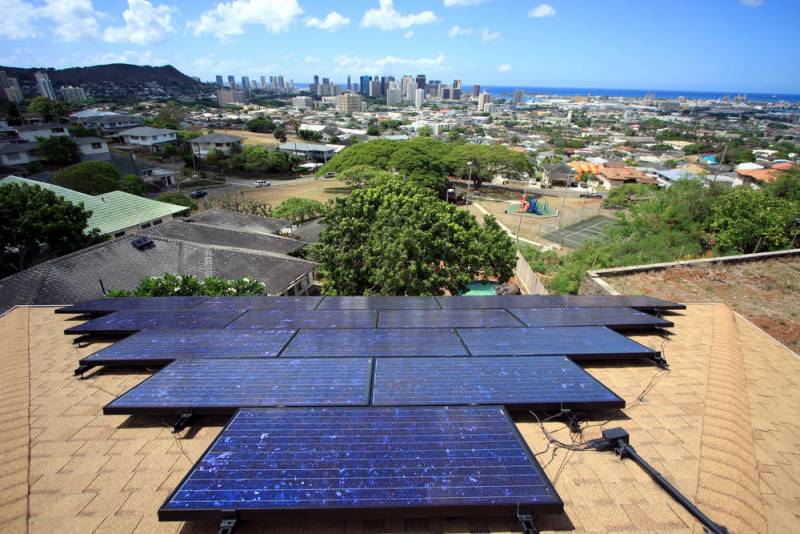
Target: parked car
(330, 175)
(198, 193)
(591, 195)
(261, 183)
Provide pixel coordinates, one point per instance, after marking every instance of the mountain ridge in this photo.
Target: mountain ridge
(120, 73)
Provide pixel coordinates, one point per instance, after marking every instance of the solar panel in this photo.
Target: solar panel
(364, 462)
(290, 318)
(126, 322)
(463, 302)
(221, 386)
(158, 347)
(378, 302)
(446, 318)
(639, 302)
(522, 383)
(375, 342)
(578, 342)
(108, 305)
(261, 303)
(618, 318)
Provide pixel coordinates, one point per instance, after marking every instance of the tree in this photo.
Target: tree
(90, 177)
(398, 239)
(34, 220)
(130, 183)
(59, 150)
(298, 210)
(260, 159)
(171, 285)
(50, 110)
(425, 131)
(748, 221)
(260, 125)
(280, 133)
(172, 197)
(482, 162)
(79, 130)
(787, 185)
(373, 130)
(170, 116)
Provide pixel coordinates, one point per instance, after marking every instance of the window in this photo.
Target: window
(145, 225)
(57, 130)
(97, 146)
(157, 221)
(119, 234)
(12, 156)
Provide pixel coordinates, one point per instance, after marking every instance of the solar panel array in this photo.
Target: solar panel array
(403, 461)
(375, 405)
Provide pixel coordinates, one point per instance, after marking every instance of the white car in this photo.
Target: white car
(261, 183)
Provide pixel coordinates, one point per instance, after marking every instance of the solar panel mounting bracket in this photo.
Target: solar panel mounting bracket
(660, 361)
(227, 525)
(81, 339)
(526, 522)
(82, 368)
(182, 422)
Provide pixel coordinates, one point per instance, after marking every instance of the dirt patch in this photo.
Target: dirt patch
(260, 139)
(765, 292)
(322, 190)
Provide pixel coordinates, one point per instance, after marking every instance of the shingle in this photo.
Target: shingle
(212, 235)
(240, 221)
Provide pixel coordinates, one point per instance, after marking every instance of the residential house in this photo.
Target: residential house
(310, 151)
(559, 174)
(227, 144)
(93, 148)
(148, 137)
(667, 177)
(612, 177)
(32, 132)
(16, 154)
(106, 122)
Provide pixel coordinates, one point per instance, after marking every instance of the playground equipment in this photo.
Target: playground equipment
(534, 206)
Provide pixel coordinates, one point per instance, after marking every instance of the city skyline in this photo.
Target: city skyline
(745, 44)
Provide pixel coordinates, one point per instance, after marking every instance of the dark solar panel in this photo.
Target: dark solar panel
(446, 318)
(350, 462)
(579, 342)
(375, 342)
(264, 319)
(126, 322)
(639, 302)
(523, 383)
(220, 386)
(464, 302)
(378, 302)
(155, 347)
(619, 318)
(107, 305)
(261, 303)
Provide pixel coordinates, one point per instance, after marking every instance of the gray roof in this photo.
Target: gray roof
(240, 221)
(42, 126)
(145, 130)
(88, 140)
(217, 138)
(226, 237)
(9, 148)
(310, 231)
(75, 277)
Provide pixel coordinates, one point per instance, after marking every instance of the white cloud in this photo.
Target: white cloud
(388, 64)
(542, 10)
(457, 30)
(752, 3)
(387, 18)
(459, 3)
(505, 67)
(17, 21)
(331, 22)
(311, 59)
(73, 19)
(229, 18)
(144, 23)
(487, 35)
(409, 34)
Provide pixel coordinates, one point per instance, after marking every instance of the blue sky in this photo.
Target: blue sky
(725, 45)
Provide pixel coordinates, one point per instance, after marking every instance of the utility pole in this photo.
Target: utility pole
(724, 152)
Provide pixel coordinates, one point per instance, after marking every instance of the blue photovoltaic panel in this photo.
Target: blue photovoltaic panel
(376, 461)
(640, 302)
(222, 386)
(264, 319)
(446, 318)
(517, 382)
(579, 342)
(261, 303)
(107, 305)
(375, 342)
(125, 322)
(378, 302)
(619, 318)
(154, 347)
(464, 302)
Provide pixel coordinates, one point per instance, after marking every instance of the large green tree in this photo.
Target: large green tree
(130, 183)
(34, 220)
(484, 162)
(59, 150)
(298, 210)
(90, 177)
(260, 159)
(50, 110)
(397, 238)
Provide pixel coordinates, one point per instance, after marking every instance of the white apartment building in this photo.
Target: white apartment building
(484, 99)
(348, 103)
(419, 98)
(44, 86)
(71, 94)
(302, 102)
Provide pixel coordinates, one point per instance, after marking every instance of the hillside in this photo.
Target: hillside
(119, 73)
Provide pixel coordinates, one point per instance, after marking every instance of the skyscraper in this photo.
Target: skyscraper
(483, 100)
(44, 86)
(263, 82)
(280, 82)
(348, 103)
(456, 84)
(73, 94)
(393, 95)
(420, 81)
(420, 98)
(245, 83)
(348, 83)
(517, 96)
(476, 90)
(375, 88)
(409, 87)
(231, 81)
(364, 85)
(219, 81)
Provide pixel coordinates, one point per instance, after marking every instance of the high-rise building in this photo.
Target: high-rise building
(456, 84)
(446, 92)
(44, 86)
(231, 81)
(409, 88)
(393, 95)
(375, 88)
(245, 83)
(456, 93)
(9, 88)
(348, 83)
(517, 96)
(420, 81)
(220, 83)
(280, 82)
(348, 103)
(231, 96)
(263, 82)
(72, 95)
(302, 102)
(484, 99)
(419, 98)
(476, 90)
(364, 85)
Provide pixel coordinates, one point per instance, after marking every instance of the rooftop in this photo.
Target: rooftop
(719, 425)
(217, 138)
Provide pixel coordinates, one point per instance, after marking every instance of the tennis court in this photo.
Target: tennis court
(574, 235)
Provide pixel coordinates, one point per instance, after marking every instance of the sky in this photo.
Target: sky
(702, 45)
